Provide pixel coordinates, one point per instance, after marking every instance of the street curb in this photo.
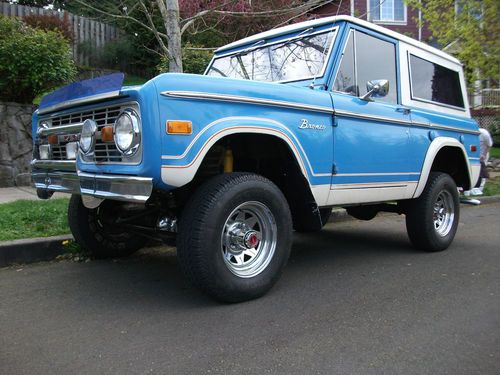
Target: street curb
(32, 250)
(490, 199)
(47, 248)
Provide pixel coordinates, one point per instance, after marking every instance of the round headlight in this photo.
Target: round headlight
(87, 136)
(127, 132)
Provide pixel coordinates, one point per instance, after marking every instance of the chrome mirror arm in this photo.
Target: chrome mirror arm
(367, 96)
(378, 87)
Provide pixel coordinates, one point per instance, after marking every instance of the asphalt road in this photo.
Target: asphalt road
(354, 299)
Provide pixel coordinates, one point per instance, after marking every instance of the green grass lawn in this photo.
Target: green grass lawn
(29, 219)
(131, 80)
(495, 152)
(492, 187)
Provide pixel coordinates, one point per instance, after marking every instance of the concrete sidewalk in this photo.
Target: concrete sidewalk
(11, 194)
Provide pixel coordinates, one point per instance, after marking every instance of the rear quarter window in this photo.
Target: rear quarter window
(434, 83)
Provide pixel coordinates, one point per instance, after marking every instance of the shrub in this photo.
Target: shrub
(193, 60)
(51, 23)
(32, 61)
(495, 132)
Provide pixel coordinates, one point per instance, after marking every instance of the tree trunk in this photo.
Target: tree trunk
(169, 10)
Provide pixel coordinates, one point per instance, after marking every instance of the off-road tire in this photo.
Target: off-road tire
(203, 232)
(423, 213)
(97, 238)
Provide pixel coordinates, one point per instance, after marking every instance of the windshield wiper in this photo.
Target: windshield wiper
(291, 40)
(253, 47)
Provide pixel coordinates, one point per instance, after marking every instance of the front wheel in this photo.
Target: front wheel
(432, 219)
(97, 232)
(235, 236)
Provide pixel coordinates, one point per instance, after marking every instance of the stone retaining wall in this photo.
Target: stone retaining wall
(15, 143)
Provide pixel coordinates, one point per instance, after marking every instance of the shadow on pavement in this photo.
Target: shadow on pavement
(153, 277)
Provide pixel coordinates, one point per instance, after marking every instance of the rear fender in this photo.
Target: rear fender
(437, 145)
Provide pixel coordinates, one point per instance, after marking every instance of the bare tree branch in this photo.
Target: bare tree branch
(319, 5)
(168, 35)
(304, 8)
(155, 31)
(114, 15)
(152, 50)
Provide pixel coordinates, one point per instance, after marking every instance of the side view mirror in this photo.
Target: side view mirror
(377, 88)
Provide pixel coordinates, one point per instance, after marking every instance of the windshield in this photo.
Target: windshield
(295, 59)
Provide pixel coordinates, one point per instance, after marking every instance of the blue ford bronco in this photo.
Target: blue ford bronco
(283, 126)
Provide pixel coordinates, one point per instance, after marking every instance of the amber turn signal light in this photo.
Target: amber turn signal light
(53, 139)
(179, 127)
(107, 134)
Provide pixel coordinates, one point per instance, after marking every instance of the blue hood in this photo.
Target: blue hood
(82, 89)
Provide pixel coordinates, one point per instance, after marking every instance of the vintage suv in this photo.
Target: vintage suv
(283, 126)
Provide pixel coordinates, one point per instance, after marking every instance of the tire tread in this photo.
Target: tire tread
(194, 221)
(417, 216)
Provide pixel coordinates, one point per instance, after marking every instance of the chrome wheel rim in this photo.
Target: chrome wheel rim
(443, 213)
(248, 239)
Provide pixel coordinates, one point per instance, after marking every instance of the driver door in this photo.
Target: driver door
(371, 135)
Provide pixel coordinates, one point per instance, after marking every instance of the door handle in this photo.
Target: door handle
(403, 110)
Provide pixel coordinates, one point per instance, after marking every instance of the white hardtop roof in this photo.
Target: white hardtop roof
(326, 20)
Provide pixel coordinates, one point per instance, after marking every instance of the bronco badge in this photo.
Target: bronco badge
(306, 125)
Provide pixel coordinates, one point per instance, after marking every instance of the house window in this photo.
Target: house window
(387, 11)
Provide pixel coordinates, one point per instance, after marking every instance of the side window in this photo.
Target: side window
(365, 59)
(346, 79)
(376, 59)
(435, 83)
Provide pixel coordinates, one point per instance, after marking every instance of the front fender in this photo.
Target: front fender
(178, 170)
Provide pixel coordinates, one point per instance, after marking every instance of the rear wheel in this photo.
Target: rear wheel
(432, 219)
(97, 232)
(235, 236)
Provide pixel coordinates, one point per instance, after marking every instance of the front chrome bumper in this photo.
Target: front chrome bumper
(63, 177)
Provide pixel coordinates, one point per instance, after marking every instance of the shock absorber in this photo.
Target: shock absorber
(228, 160)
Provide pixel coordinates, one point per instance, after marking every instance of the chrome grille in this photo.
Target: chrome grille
(103, 117)
(59, 152)
(104, 152)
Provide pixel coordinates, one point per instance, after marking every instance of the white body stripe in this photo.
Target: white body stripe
(250, 121)
(378, 174)
(179, 175)
(321, 194)
(372, 193)
(246, 99)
